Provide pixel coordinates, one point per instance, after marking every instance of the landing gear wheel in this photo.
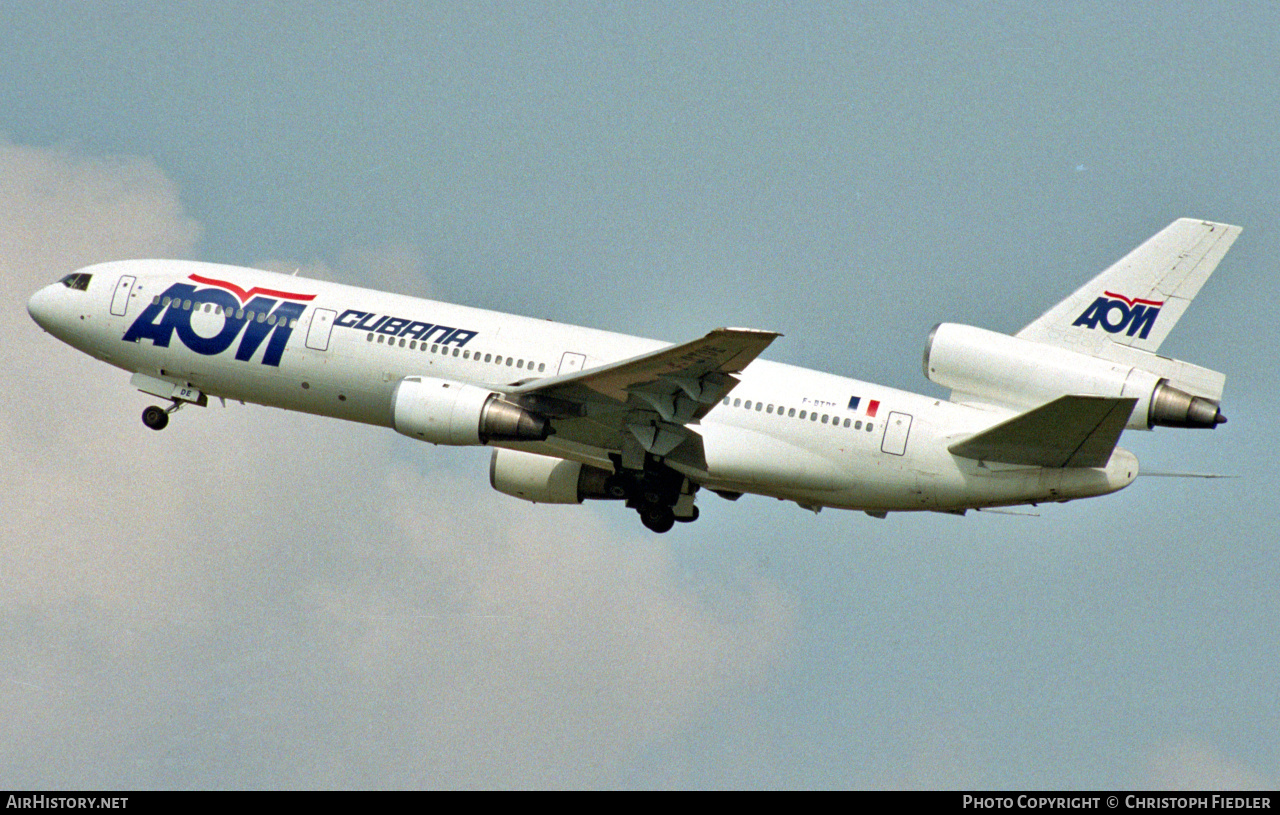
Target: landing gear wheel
(615, 488)
(658, 519)
(155, 418)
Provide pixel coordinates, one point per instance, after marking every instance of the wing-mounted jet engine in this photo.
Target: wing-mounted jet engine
(443, 411)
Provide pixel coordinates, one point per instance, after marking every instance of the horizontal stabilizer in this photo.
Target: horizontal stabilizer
(1071, 431)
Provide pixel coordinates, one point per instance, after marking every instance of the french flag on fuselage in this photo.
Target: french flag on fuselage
(873, 405)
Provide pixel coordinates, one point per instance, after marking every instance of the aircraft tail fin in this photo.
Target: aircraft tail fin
(1071, 431)
(1138, 300)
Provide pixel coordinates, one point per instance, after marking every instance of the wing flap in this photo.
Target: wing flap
(1071, 431)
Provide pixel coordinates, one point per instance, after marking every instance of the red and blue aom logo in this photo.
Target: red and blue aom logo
(253, 316)
(1116, 313)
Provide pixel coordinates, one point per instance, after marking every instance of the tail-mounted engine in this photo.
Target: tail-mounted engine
(991, 367)
(443, 411)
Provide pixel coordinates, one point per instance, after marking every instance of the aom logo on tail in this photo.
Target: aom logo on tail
(1115, 313)
(251, 315)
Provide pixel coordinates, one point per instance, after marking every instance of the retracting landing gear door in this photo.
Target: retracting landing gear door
(120, 299)
(896, 429)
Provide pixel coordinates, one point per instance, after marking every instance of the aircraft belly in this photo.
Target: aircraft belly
(964, 484)
(757, 460)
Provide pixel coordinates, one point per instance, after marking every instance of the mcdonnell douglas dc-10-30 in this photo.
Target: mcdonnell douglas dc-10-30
(576, 413)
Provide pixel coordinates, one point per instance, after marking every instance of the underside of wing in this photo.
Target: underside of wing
(1073, 431)
(645, 404)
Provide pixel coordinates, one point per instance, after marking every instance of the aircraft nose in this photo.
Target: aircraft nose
(43, 306)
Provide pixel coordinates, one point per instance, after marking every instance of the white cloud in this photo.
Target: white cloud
(1188, 764)
(255, 597)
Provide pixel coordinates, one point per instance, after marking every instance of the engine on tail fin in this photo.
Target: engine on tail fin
(989, 367)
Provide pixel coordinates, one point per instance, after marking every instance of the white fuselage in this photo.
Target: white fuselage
(340, 351)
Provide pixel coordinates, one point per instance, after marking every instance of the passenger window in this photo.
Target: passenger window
(791, 413)
(737, 403)
(726, 400)
(813, 417)
(846, 422)
(747, 404)
(542, 366)
(804, 414)
(769, 409)
(870, 427)
(508, 362)
(857, 425)
(455, 352)
(413, 345)
(381, 339)
(520, 363)
(758, 406)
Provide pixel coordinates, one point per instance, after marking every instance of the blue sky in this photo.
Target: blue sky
(256, 599)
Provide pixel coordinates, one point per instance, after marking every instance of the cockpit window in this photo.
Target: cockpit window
(79, 281)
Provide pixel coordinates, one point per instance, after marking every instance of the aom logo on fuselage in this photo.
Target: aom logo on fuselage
(251, 315)
(1116, 313)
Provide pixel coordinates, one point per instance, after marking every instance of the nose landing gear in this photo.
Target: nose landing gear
(156, 418)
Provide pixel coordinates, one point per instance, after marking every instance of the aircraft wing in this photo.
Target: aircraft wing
(645, 403)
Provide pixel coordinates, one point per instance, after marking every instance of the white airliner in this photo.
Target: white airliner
(574, 413)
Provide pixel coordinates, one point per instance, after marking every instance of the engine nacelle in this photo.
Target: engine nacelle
(1020, 373)
(546, 480)
(443, 411)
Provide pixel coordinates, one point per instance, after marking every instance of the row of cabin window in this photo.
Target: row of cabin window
(812, 416)
(435, 349)
(240, 314)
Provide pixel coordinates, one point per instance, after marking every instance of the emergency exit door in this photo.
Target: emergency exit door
(120, 299)
(896, 429)
(571, 362)
(320, 329)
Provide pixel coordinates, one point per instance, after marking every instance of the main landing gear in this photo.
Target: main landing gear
(660, 495)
